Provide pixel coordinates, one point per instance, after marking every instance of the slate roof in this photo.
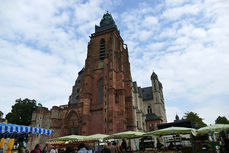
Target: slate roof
(152, 116)
(107, 22)
(147, 93)
(180, 123)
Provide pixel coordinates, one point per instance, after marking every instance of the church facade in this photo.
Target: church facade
(104, 98)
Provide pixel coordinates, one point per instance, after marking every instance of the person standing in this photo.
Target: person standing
(123, 145)
(105, 149)
(118, 148)
(69, 149)
(37, 149)
(45, 150)
(112, 147)
(52, 150)
(82, 148)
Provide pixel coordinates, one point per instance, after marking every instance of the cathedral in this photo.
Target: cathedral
(104, 98)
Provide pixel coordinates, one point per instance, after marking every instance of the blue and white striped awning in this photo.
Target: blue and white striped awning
(22, 129)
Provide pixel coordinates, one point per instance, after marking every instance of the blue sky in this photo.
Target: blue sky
(43, 45)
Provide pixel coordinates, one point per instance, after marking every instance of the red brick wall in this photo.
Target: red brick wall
(148, 123)
(111, 116)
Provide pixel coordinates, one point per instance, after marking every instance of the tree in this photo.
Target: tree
(221, 120)
(1, 114)
(21, 112)
(195, 118)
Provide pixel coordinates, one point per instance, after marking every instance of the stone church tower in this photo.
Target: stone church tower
(105, 88)
(104, 99)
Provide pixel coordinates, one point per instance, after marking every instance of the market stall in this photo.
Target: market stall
(74, 140)
(133, 142)
(14, 131)
(175, 138)
(213, 137)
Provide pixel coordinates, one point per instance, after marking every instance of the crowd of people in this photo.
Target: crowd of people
(109, 147)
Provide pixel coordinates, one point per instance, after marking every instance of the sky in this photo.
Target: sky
(43, 46)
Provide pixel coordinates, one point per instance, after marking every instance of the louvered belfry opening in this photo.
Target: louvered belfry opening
(102, 50)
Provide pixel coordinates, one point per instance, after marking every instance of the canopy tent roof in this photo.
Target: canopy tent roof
(93, 137)
(126, 134)
(213, 128)
(96, 137)
(14, 130)
(172, 130)
(69, 137)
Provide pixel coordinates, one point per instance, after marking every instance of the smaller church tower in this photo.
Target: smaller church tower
(159, 106)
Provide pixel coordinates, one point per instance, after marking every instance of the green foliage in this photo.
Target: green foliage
(222, 120)
(21, 112)
(195, 118)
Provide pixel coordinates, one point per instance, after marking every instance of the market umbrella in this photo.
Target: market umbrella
(171, 131)
(69, 137)
(95, 137)
(213, 128)
(126, 134)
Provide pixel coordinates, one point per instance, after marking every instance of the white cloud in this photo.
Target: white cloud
(26, 72)
(177, 12)
(172, 3)
(208, 112)
(43, 44)
(192, 66)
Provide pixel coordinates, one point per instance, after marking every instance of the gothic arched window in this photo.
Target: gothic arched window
(100, 91)
(102, 50)
(149, 110)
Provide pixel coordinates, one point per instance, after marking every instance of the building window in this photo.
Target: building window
(102, 50)
(76, 131)
(116, 98)
(149, 110)
(100, 91)
(69, 131)
(154, 85)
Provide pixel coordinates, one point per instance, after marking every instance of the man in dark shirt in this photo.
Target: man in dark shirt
(123, 145)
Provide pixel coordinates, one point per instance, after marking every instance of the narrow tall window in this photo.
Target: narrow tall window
(100, 91)
(76, 131)
(149, 110)
(116, 98)
(69, 131)
(155, 85)
(102, 50)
